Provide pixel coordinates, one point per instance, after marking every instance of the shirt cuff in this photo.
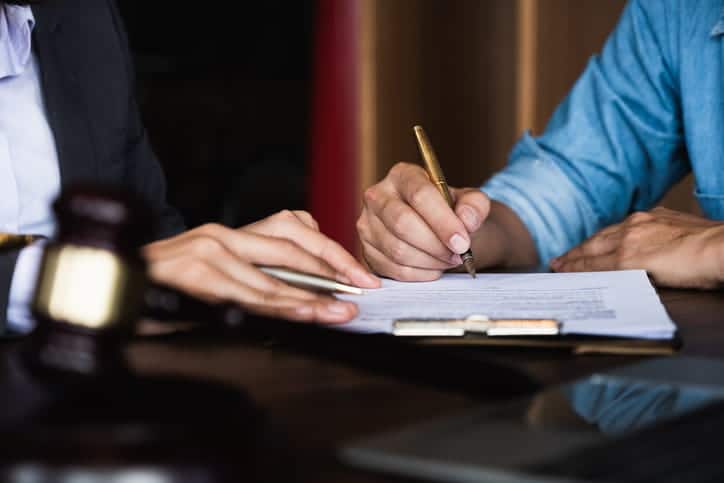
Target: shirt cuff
(536, 189)
(22, 288)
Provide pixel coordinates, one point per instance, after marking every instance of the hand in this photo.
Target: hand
(408, 231)
(217, 263)
(676, 249)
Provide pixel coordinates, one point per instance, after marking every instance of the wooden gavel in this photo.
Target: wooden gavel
(92, 285)
(74, 409)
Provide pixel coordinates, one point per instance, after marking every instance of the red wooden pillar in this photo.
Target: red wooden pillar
(335, 136)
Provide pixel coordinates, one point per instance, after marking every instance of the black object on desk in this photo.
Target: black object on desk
(660, 421)
(72, 410)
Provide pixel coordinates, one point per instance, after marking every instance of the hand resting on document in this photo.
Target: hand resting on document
(676, 249)
(217, 264)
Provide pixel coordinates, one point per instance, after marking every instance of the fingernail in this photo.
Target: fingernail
(338, 308)
(458, 243)
(469, 217)
(456, 260)
(555, 262)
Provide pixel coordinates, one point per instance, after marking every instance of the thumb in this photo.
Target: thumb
(471, 206)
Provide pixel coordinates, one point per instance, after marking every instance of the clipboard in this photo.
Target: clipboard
(478, 330)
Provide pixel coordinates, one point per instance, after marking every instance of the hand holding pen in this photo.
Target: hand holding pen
(434, 171)
(410, 232)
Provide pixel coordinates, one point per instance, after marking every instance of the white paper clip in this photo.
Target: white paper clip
(476, 324)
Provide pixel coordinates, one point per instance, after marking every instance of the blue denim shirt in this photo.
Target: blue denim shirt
(645, 112)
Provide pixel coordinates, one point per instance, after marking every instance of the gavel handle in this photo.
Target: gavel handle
(162, 303)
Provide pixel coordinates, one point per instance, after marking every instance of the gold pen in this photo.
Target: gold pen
(438, 178)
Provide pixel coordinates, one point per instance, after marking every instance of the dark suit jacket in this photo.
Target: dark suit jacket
(87, 80)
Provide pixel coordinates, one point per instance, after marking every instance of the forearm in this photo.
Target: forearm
(503, 240)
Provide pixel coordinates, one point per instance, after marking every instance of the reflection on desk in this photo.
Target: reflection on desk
(616, 407)
(539, 435)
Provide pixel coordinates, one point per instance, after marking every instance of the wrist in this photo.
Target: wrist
(485, 243)
(503, 240)
(716, 243)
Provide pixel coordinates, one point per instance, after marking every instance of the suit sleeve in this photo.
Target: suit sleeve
(143, 173)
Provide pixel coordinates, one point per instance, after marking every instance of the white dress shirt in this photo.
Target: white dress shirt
(29, 173)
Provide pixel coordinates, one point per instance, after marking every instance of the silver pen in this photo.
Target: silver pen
(310, 282)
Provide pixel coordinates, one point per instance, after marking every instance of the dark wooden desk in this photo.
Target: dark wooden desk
(318, 403)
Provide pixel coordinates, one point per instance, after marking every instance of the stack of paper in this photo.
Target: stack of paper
(615, 304)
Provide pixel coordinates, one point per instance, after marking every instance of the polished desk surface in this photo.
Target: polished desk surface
(319, 403)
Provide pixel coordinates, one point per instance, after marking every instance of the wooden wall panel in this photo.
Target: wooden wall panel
(474, 74)
(398, 85)
(569, 32)
(469, 85)
(445, 65)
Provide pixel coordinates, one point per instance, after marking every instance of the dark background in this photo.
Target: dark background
(226, 96)
(226, 100)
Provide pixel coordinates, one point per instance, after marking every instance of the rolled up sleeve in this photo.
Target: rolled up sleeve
(614, 145)
(544, 199)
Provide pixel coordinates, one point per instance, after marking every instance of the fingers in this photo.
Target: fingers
(300, 227)
(390, 216)
(393, 257)
(269, 250)
(415, 189)
(382, 264)
(323, 309)
(243, 272)
(408, 230)
(216, 282)
(472, 206)
(274, 225)
(340, 259)
(402, 253)
(600, 252)
(208, 255)
(215, 263)
(599, 245)
(603, 251)
(665, 243)
(306, 218)
(609, 261)
(320, 308)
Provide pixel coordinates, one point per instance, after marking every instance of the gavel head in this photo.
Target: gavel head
(104, 218)
(92, 280)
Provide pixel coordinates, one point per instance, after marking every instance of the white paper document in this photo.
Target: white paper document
(621, 303)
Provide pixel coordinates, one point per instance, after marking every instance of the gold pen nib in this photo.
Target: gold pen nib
(469, 263)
